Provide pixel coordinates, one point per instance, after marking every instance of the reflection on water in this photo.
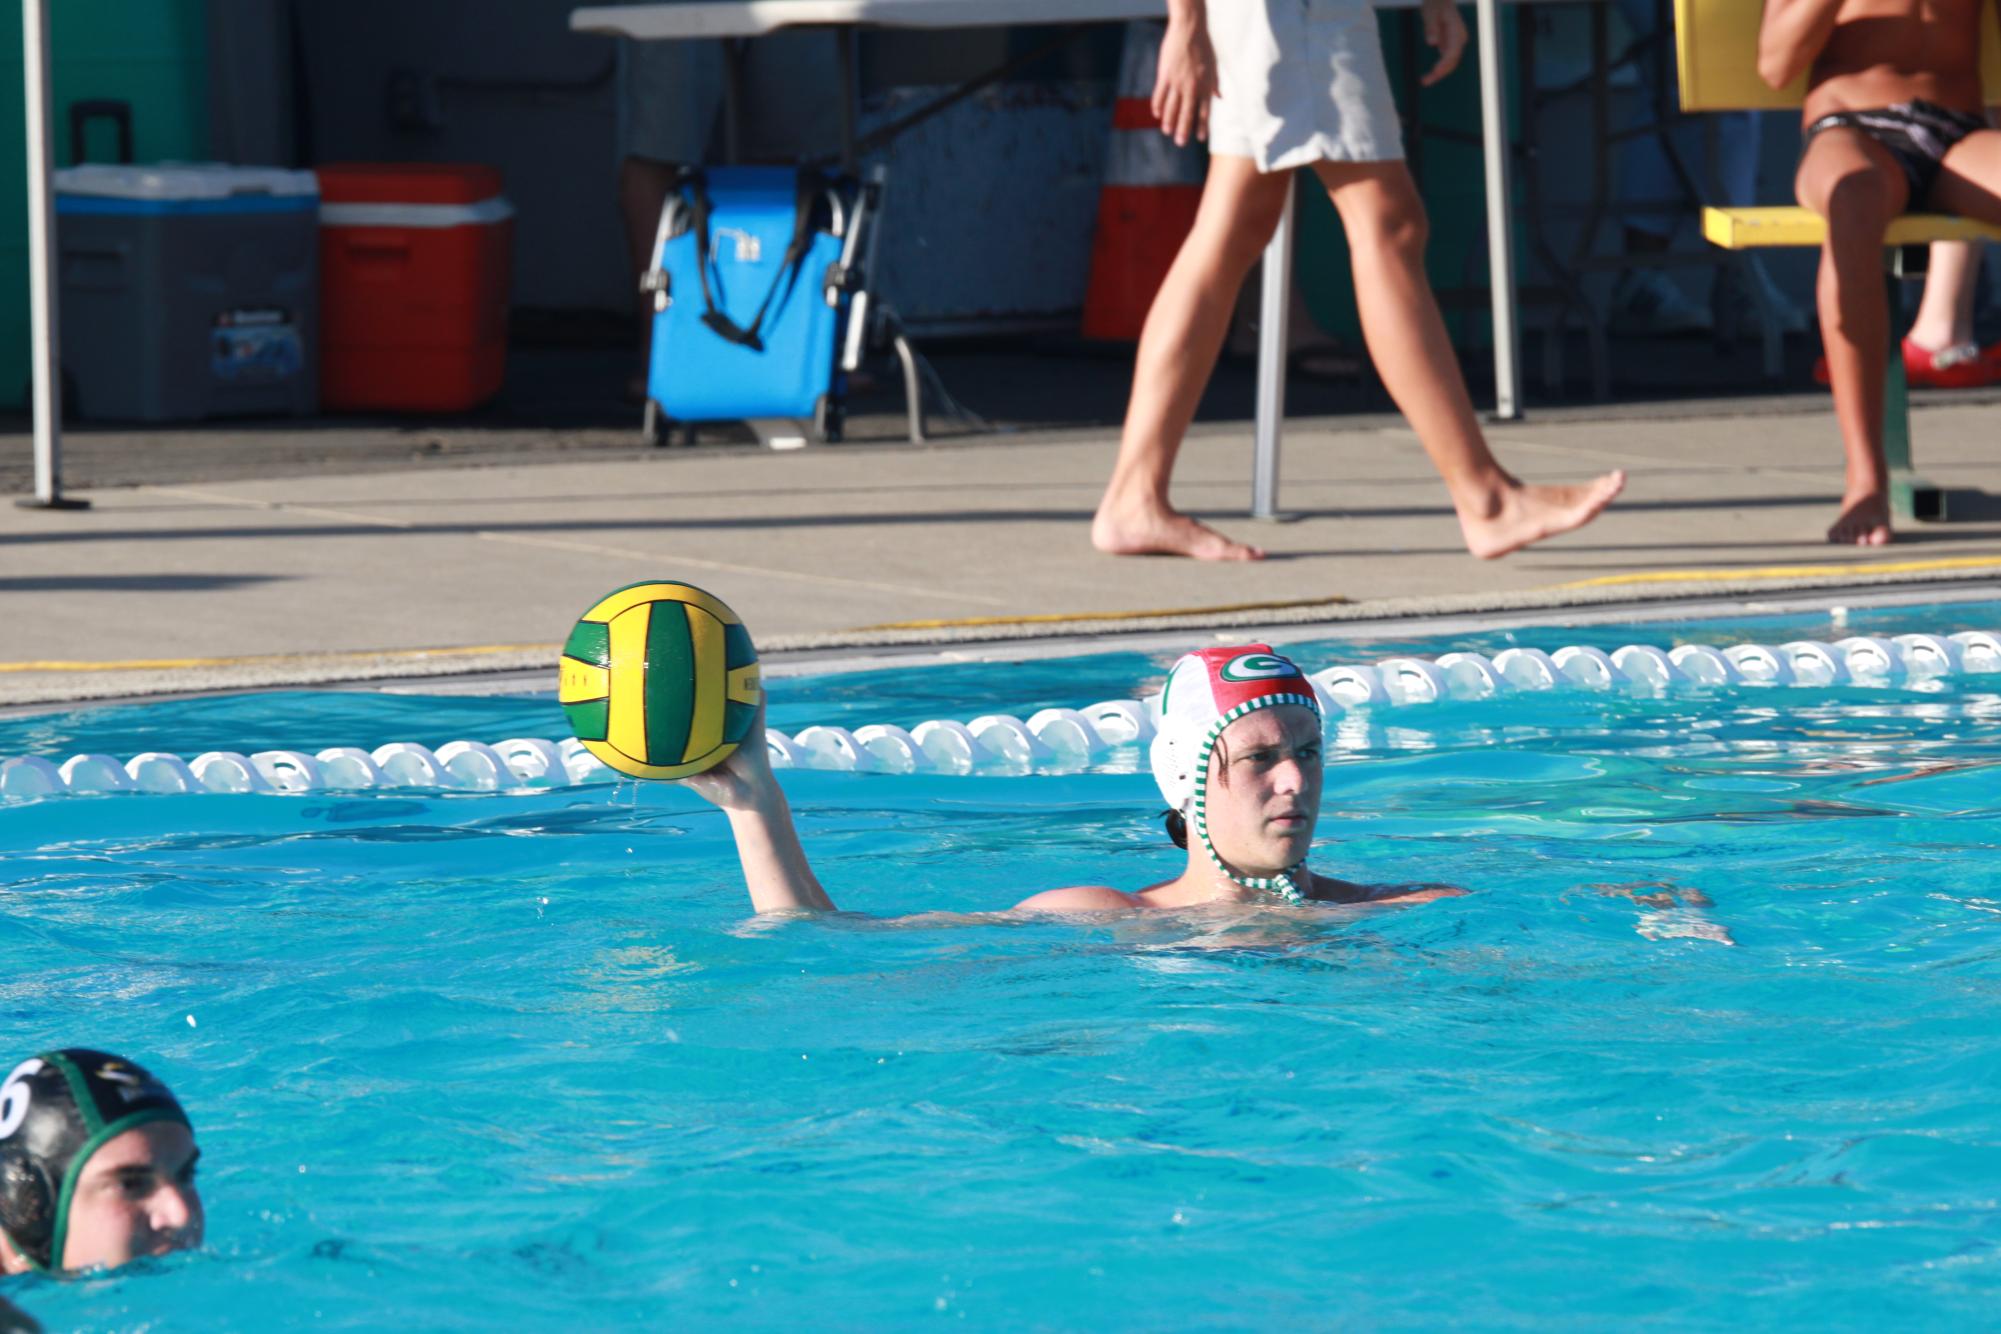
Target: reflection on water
(1720, 1018)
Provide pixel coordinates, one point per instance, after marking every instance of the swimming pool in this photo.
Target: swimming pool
(1714, 1039)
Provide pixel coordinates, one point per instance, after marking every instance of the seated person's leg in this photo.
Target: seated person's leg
(669, 101)
(1969, 178)
(1940, 351)
(1858, 186)
(1969, 184)
(642, 192)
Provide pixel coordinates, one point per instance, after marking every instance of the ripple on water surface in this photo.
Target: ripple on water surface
(1716, 1032)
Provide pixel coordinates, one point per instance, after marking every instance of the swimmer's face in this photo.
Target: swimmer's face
(136, 1196)
(1264, 789)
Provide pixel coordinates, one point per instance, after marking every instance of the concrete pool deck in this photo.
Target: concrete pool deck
(319, 555)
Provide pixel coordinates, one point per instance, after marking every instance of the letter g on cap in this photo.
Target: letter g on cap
(1257, 667)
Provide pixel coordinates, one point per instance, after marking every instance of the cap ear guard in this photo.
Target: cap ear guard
(1173, 756)
(27, 1207)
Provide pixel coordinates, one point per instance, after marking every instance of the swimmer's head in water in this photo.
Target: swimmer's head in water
(57, 1110)
(1206, 692)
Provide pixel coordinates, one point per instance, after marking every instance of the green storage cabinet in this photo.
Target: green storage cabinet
(152, 54)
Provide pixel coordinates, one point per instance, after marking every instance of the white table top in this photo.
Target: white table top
(754, 18)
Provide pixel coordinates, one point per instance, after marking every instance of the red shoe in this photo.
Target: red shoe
(1966, 367)
(1962, 367)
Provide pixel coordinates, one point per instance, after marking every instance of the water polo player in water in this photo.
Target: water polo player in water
(97, 1165)
(1237, 754)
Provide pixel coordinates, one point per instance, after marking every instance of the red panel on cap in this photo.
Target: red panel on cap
(1240, 673)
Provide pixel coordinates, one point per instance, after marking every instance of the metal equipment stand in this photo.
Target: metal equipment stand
(48, 391)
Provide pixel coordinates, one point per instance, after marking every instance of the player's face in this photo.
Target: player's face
(136, 1196)
(1264, 789)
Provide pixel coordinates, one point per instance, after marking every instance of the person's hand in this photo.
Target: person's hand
(1444, 29)
(1184, 80)
(744, 780)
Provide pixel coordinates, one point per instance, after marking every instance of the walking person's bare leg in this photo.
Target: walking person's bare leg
(1853, 182)
(1178, 348)
(1386, 226)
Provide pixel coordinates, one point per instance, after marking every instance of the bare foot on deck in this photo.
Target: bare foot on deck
(1864, 521)
(1164, 532)
(1522, 515)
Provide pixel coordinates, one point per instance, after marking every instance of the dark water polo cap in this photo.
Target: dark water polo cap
(56, 1110)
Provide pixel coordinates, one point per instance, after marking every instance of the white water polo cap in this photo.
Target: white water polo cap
(1206, 691)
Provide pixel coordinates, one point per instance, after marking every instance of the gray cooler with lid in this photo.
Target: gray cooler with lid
(189, 290)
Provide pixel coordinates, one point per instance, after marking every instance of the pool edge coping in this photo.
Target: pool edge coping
(518, 671)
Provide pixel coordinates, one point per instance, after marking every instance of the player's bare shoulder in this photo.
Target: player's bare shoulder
(1079, 898)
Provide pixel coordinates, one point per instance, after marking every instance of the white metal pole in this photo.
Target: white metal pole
(1500, 231)
(41, 264)
(1275, 305)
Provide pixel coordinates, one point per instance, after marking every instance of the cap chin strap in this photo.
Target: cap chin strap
(1286, 884)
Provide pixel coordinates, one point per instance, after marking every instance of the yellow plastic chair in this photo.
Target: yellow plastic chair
(1716, 44)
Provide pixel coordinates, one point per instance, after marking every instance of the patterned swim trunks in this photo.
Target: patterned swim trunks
(1918, 135)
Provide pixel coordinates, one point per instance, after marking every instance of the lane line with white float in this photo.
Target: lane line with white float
(1049, 739)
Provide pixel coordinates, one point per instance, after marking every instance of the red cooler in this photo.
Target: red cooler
(415, 259)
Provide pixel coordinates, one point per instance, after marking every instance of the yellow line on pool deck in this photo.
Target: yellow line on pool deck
(1068, 617)
(1047, 618)
(1791, 572)
(358, 655)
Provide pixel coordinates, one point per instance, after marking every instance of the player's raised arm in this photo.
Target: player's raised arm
(660, 681)
(744, 788)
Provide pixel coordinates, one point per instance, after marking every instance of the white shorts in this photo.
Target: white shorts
(1301, 81)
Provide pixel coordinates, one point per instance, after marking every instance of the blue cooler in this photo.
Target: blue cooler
(189, 290)
(753, 274)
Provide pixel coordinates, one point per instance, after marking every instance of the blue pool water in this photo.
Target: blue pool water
(1713, 1040)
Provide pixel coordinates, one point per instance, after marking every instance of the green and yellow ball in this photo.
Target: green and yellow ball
(660, 680)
